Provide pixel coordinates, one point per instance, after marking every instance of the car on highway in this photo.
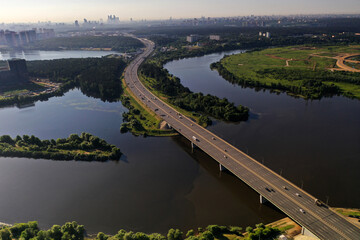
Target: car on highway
(301, 210)
(195, 139)
(297, 194)
(213, 138)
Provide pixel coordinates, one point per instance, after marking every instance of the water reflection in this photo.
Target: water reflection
(158, 184)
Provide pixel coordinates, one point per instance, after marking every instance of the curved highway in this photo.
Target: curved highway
(293, 201)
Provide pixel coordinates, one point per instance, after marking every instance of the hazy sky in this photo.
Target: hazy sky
(70, 10)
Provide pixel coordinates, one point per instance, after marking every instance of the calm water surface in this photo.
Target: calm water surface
(313, 143)
(159, 183)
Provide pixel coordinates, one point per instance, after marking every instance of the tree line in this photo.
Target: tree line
(96, 77)
(74, 231)
(116, 43)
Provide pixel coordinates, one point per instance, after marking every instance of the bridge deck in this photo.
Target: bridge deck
(320, 220)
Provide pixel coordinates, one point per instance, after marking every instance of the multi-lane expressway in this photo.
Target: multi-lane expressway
(293, 201)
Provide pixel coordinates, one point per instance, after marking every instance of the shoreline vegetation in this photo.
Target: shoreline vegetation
(74, 231)
(301, 71)
(84, 147)
(170, 89)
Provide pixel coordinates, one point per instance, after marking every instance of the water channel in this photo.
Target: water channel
(159, 183)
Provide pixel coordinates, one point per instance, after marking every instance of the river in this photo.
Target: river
(165, 185)
(158, 184)
(315, 144)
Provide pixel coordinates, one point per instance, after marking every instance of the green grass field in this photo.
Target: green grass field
(290, 60)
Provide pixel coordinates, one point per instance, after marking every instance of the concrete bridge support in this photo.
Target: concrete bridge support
(221, 167)
(306, 232)
(263, 200)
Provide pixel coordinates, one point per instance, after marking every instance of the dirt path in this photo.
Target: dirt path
(341, 62)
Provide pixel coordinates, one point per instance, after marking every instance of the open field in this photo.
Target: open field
(309, 72)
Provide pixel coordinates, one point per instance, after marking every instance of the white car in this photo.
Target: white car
(301, 210)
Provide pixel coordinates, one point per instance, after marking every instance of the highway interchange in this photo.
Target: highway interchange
(293, 201)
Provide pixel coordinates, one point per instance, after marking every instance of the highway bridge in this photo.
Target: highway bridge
(316, 219)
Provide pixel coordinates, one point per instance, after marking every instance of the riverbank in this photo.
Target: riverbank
(285, 227)
(307, 72)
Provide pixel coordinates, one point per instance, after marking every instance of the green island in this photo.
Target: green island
(74, 231)
(309, 72)
(113, 43)
(85, 147)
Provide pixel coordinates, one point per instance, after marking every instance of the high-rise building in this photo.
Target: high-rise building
(77, 23)
(192, 38)
(27, 37)
(112, 19)
(12, 38)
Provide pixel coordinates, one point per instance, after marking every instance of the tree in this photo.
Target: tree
(6, 139)
(190, 233)
(174, 234)
(5, 234)
(207, 235)
(102, 236)
(249, 229)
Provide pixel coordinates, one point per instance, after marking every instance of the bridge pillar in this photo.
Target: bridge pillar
(306, 232)
(263, 200)
(192, 145)
(221, 167)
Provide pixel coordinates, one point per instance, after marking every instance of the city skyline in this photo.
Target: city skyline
(22, 11)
